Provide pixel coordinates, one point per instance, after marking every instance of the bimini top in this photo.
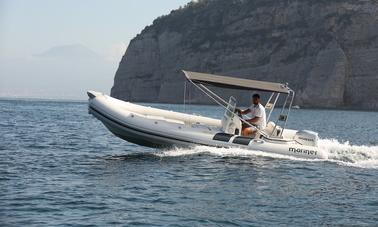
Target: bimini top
(235, 83)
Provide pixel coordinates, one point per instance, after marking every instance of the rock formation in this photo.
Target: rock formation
(327, 50)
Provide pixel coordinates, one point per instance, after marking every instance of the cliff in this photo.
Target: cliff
(327, 50)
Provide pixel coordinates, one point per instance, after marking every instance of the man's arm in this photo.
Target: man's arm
(243, 112)
(257, 116)
(253, 120)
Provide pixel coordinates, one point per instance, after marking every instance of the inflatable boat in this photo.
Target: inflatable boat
(159, 128)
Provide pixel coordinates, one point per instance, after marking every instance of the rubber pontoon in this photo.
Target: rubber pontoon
(159, 128)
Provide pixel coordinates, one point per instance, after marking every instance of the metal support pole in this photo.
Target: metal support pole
(288, 112)
(225, 107)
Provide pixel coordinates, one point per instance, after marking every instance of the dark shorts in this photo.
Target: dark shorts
(245, 125)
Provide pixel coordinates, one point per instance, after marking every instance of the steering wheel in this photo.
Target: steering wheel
(238, 111)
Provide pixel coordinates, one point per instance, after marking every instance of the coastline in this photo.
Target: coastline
(25, 99)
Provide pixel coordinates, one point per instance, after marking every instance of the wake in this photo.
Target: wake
(351, 155)
(341, 153)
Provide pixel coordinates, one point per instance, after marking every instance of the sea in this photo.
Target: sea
(59, 166)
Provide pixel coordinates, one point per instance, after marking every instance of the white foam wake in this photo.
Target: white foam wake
(352, 155)
(340, 153)
(226, 152)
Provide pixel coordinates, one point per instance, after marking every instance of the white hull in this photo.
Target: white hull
(153, 127)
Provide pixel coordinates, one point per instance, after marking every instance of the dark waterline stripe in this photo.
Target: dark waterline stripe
(142, 131)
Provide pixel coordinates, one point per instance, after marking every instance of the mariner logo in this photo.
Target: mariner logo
(298, 150)
(307, 139)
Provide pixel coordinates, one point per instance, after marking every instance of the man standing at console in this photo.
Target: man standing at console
(257, 119)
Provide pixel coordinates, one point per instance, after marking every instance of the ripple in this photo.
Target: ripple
(60, 166)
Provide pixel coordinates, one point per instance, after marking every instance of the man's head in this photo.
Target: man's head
(255, 99)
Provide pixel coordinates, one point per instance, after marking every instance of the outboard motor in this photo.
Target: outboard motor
(306, 137)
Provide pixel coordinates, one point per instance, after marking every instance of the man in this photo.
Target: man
(258, 118)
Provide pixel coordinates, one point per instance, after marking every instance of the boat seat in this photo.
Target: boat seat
(230, 122)
(270, 127)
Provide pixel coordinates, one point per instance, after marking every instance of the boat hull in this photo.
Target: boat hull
(135, 135)
(143, 129)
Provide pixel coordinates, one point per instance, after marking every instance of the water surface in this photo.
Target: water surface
(61, 166)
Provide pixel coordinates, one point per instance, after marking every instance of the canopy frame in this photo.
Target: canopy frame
(200, 80)
(236, 83)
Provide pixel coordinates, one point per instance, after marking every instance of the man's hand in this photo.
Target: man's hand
(242, 112)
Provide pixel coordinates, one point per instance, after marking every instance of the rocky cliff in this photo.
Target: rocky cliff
(327, 50)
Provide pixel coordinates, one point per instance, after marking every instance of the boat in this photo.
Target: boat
(296, 107)
(158, 128)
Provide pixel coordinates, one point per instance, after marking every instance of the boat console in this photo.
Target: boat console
(230, 122)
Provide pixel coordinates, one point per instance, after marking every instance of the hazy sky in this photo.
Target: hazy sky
(61, 48)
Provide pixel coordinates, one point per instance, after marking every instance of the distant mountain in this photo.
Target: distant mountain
(62, 72)
(327, 50)
(69, 51)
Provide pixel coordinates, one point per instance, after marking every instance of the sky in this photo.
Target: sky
(58, 49)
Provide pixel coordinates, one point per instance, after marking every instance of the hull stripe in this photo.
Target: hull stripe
(143, 131)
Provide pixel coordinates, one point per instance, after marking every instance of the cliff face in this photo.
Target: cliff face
(327, 50)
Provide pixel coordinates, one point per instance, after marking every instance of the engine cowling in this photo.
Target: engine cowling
(306, 137)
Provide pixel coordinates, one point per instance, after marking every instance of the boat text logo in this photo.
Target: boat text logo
(303, 151)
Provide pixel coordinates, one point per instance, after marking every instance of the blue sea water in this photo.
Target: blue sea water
(61, 166)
